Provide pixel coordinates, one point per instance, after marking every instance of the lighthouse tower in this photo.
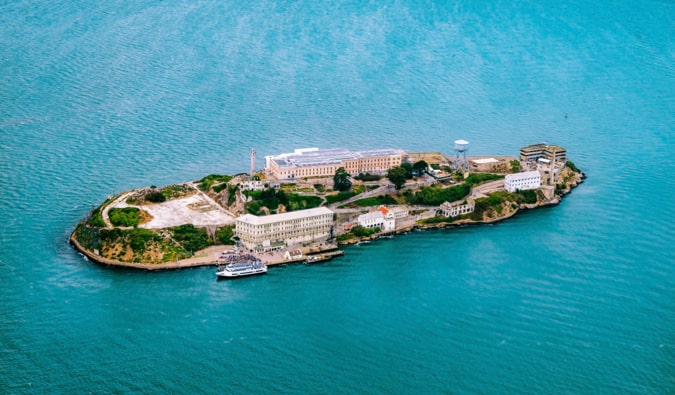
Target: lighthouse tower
(253, 171)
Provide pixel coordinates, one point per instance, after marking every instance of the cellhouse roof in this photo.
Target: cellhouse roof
(523, 175)
(327, 156)
(270, 219)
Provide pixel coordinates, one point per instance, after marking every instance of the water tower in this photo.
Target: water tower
(461, 165)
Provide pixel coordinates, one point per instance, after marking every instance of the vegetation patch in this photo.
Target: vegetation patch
(302, 202)
(205, 183)
(190, 238)
(358, 189)
(340, 196)
(435, 195)
(128, 216)
(572, 166)
(155, 197)
(373, 201)
(368, 177)
(439, 219)
(224, 234)
(358, 231)
(272, 198)
(479, 178)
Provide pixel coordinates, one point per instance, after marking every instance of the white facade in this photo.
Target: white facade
(452, 210)
(252, 186)
(522, 181)
(381, 218)
(315, 162)
(260, 233)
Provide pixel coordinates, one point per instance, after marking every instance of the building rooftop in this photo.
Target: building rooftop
(270, 219)
(523, 175)
(326, 156)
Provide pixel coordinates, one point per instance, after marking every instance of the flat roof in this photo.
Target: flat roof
(523, 175)
(326, 156)
(485, 161)
(270, 219)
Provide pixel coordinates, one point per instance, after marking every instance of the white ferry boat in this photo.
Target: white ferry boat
(241, 269)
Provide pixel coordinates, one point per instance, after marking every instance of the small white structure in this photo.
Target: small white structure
(252, 185)
(295, 254)
(454, 209)
(522, 181)
(381, 218)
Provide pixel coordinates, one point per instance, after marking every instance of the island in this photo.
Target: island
(305, 205)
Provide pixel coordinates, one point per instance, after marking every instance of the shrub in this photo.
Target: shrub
(528, 196)
(478, 178)
(376, 201)
(128, 216)
(190, 238)
(340, 196)
(360, 231)
(224, 234)
(301, 202)
(368, 177)
(206, 182)
(437, 220)
(155, 197)
(138, 238)
(572, 167)
(434, 196)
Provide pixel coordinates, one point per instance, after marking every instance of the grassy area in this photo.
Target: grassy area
(373, 201)
(435, 195)
(479, 178)
(340, 196)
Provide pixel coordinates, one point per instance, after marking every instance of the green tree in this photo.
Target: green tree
(408, 167)
(397, 176)
(341, 180)
(420, 167)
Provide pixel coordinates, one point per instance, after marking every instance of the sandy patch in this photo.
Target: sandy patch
(198, 209)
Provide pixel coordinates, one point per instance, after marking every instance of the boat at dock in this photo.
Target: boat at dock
(246, 266)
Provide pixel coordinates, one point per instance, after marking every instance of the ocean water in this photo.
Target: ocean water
(96, 99)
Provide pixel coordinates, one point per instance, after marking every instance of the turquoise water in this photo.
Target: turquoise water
(99, 98)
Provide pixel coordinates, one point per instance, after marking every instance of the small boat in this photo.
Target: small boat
(241, 269)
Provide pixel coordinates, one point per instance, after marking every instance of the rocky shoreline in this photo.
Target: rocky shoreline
(208, 256)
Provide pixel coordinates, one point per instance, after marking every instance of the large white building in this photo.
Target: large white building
(382, 218)
(263, 233)
(315, 162)
(454, 209)
(522, 181)
(532, 153)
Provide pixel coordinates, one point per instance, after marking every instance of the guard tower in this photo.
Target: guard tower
(460, 164)
(253, 170)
